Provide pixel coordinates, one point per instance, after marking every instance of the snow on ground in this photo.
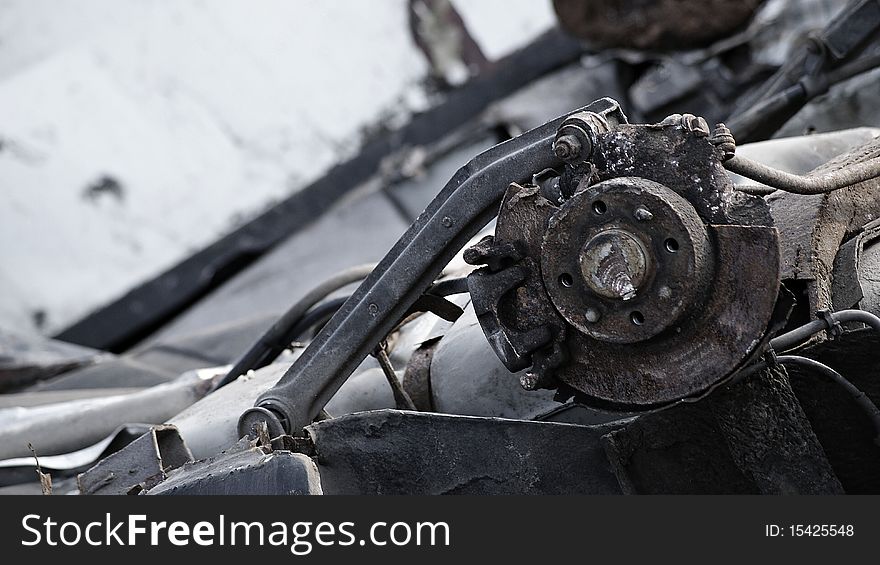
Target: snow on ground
(133, 132)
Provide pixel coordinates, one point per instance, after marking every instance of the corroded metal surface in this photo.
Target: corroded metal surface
(393, 452)
(846, 434)
(704, 347)
(647, 281)
(620, 279)
(749, 438)
(813, 227)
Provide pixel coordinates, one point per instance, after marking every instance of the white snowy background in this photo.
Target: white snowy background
(204, 111)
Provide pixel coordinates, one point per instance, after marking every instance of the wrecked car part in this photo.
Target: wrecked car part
(21, 469)
(68, 426)
(828, 321)
(809, 184)
(846, 433)
(646, 284)
(245, 468)
(637, 264)
(813, 228)
(283, 331)
(865, 404)
(145, 461)
(393, 452)
(742, 453)
(464, 206)
(749, 438)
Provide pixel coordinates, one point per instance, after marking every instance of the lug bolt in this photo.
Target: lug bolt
(592, 315)
(642, 214)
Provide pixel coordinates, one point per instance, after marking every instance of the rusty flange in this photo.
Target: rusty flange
(625, 259)
(700, 349)
(649, 281)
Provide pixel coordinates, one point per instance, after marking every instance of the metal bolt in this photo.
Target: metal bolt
(592, 315)
(373, 309)
(567, 147)
(642, 214)
(724, 142)
(446, 221)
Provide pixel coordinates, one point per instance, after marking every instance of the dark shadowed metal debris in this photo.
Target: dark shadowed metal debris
(843, 430)
(752, 437)
(245, 468)
(813, 227)
(393, 452)
(141, 464)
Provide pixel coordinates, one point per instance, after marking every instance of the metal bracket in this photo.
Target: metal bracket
(834, 329)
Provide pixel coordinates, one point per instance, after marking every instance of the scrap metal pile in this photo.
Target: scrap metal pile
(596, 305)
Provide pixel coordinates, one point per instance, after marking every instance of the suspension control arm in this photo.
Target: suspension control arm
(466, 204)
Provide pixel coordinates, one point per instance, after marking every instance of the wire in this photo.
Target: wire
(401, 399)
(302, 316)
(867, 406)
(321, 313)
(277, 337)
(317, 316)
(798, 184)
(801, 334)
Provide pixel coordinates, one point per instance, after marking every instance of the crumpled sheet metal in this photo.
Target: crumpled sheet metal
(813, 227)
(846, 433)
(245, 468)
(141, 464)
(397, 452)
(748, 437)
